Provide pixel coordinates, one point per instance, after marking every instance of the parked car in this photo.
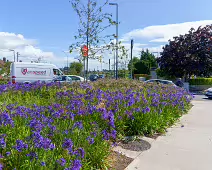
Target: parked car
(76, 78)
(208, 93)
(160, 81)
(63, 79)
(93, 77)
(23, 72)
(101, 76)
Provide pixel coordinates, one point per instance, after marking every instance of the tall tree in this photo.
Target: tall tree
(144, 64)
(92, 23)
(148, 59)
(188, 54)
(76, 68)
(134, 60)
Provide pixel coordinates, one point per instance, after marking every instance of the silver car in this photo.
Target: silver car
(208, 93)
(160, 81)
(63, 79)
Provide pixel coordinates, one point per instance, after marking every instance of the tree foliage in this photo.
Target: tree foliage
(76, 68)
(188, 54)
(92, 22)
(5, 69)
(144, 64)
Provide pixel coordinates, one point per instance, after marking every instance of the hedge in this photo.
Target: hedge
(200, 81)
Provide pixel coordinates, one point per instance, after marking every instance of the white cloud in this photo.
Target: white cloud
(162, 33)
(11, 40)
(26, 47)
(152, 34)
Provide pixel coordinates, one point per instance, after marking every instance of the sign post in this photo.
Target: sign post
(84, 50)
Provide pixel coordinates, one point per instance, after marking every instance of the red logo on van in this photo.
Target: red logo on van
(24, 71)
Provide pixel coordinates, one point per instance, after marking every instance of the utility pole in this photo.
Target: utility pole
(114, 64)
(131, 59)
(17, 55)
(109, 65)
(117, 24)
(88, 23)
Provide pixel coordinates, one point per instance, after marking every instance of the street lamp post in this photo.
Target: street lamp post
(116, 4)
(13, 53)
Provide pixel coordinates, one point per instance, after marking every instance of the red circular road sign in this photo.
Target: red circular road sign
(85, 51)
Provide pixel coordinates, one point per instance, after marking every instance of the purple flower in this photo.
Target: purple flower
(36, 125)
(8, 153)
(5, 119)
(41, 142)
(78, 125)
(106, 136)
(113, 134)
(67, 144)
(1, 166)
(43, 164)
(32, 155)
(94, 134)
(90, 140)
(20, 145)
(76, 165)
(2, 143)
(61, 161)
(146, 110)
(79, 153)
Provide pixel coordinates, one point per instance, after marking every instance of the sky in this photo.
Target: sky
(46, 28)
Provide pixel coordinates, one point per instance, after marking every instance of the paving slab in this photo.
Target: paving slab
(187, 146)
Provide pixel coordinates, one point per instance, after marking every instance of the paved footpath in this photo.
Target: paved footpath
(182, 148)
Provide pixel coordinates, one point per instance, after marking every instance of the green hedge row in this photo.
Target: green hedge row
(201, 81)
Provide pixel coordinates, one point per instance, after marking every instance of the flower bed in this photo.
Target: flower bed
(72, 127)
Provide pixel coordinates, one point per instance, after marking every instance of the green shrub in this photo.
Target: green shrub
(201, 81)
(4, 81)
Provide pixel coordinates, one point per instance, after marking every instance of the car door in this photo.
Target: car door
(58, 79)
(75, 78)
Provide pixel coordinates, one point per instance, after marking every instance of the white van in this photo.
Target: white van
(22, 72)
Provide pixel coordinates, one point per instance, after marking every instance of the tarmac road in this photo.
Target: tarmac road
(201, 98)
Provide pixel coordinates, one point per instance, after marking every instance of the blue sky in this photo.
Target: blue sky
(49, 26)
